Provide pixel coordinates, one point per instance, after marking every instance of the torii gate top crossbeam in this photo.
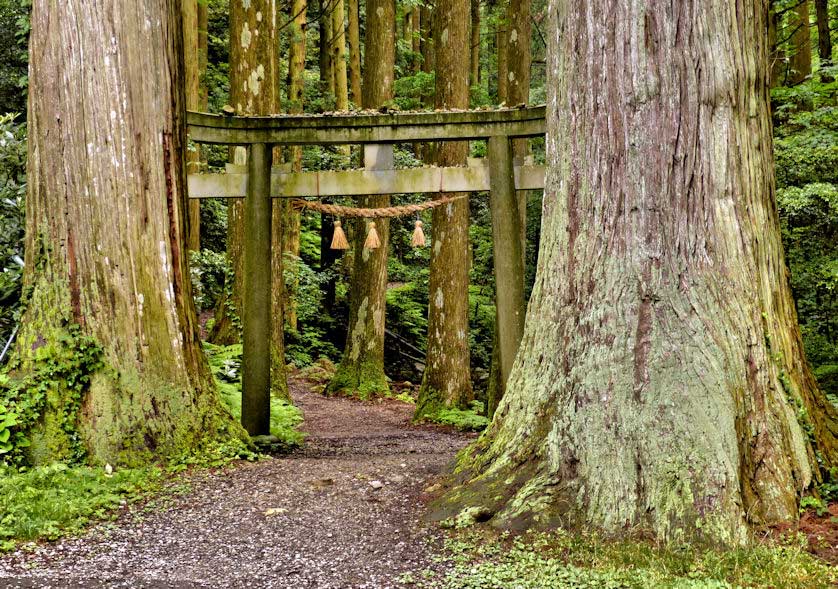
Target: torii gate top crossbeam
(340, 129)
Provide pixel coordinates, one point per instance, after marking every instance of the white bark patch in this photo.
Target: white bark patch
(255, 80)
(380, 12)
(437, 247)
(513, 36)
(245, 4)
(443, 38)
(439, 299)
(259, 16)
(246, 36)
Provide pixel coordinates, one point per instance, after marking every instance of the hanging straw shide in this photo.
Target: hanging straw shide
(418, 236)
(372, 242)
(339, 241)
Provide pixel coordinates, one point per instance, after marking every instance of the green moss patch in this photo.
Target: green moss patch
(471, 419)
(559, 560)
(48, 502)
(225, 362)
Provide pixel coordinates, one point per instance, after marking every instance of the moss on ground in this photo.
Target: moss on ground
(225, 362)
(484, 559)
(471, 419)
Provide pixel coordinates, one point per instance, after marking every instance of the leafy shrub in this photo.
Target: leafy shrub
(208, 270)
(12, 224)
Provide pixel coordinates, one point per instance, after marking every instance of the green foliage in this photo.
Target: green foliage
(815, 504)
(48, 502)
(61, 374)
(225, 362)
(411, 92)
(208, 270)
(561, 560)
(14, 54)
(12, 195)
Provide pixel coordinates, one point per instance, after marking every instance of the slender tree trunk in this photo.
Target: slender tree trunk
(192, 75)
(661, 383)
(447, 378)
(361, 369)
(426, 43)
(203, 55)
(776, 57)
(416, 66)
(253, 91)
(474, 77)
(519, 59)
(354, 53)
(339, 56)
(327, 79)
(105, 241)
(800, 60)
(503, 53)
(824, 36)
(296, 75)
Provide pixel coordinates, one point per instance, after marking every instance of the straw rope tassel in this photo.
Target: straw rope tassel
(372, 242)
(418, 236)
(339, 241)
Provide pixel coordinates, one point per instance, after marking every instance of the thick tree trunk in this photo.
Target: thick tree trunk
(800, 60)
(361, 369)
(253, 91)
(661, 383)
(824, 36)
(354, 53)
(447, 378)
(339, 55)
(192, 75)
(105, 239)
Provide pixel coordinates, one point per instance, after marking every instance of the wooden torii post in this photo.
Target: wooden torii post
(259, 183)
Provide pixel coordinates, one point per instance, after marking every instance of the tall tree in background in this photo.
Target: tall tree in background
(253, 91)
(519, 58)
(824, 35)
(800, 50)
(192, 76)
(416, 42)
(338, 50)
(474, 76)
(354, 52)
(105, 239)
(327, 76)
(361, 369)
(661, 382)
(502, 41)
(447, 378)
(426, 41)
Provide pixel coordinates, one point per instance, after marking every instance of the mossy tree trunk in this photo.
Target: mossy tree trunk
(447, 378)
(253, 91)
(661, 383)
(361, 369)
(105, 237)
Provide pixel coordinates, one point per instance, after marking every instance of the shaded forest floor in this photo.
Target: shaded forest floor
(344, 511)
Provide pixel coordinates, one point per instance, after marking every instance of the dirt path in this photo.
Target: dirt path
(327, 523)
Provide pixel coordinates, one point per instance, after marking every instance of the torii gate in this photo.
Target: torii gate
(377, 133)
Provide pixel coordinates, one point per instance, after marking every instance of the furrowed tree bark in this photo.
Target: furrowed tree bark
(354, 52)
(824, 36)
(253, 91)
(447, 379)
(361, 369)
(192, 77)
(661, 383)
(105, 237)
(800, 60)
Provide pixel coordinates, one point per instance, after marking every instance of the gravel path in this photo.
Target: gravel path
(342, 512)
